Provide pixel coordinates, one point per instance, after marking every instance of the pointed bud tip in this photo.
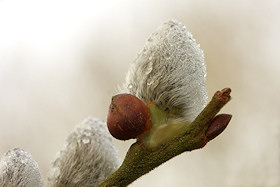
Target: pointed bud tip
(217, 125)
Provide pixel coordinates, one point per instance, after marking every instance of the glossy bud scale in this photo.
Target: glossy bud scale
(128, 117)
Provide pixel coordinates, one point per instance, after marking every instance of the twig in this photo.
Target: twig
(140, 159)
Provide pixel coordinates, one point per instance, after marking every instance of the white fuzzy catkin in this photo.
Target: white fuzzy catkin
(18, 169)
(88, 158)
(170, 72)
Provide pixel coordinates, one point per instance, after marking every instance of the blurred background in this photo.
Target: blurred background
(61, 61)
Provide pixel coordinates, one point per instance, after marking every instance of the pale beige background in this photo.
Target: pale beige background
(60, 61)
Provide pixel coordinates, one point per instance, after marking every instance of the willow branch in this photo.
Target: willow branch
(140, 160)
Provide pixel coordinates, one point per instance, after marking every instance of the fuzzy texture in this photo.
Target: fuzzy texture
(18, 169)
(170, 72)
(88, 158)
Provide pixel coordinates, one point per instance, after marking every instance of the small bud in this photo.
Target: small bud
(128, 117)
(217, 126)
(17, 168)
(88, 157)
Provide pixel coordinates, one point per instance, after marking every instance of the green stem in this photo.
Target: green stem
(140, 159)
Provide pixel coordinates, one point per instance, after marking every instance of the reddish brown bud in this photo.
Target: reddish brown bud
(217, 126)
(128, 117)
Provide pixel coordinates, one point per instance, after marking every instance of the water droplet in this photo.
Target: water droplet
(129, 86)
(150, 58)
(85, 140)
(56, 172)
(87, 133)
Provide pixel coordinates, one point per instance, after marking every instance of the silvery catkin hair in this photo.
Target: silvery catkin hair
(18, 169)
(170, 72)
(88, 158)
